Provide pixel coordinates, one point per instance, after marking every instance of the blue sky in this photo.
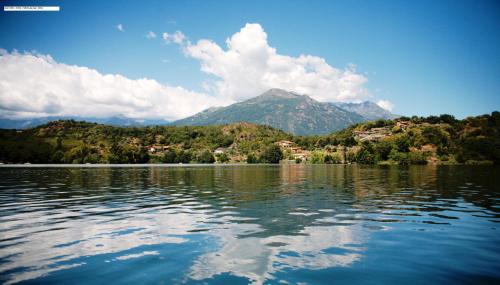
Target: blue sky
(425, 57)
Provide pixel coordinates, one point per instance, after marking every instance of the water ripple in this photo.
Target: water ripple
(259, 224)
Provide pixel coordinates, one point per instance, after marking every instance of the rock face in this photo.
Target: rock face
(288, 111)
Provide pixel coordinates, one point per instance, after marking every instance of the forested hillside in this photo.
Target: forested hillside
(415, 140)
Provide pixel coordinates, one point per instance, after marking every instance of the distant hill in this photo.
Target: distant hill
(113, 121)
(288, 111)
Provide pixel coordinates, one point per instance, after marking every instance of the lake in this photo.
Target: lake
(258, 224)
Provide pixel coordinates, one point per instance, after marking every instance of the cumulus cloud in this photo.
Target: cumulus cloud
(384, 104)
(248, 66)
(34, 85)
(150, 35)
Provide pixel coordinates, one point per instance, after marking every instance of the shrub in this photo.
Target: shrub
(206, 157)
(317, 157)
(399, 157)
(222, 158)
(417, 158)
(328, 159)
(251, 158)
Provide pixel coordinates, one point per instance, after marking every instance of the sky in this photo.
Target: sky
(171, 59)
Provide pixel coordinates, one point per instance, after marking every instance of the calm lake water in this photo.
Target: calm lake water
(260, 224)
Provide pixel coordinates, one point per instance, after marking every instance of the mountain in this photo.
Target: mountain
(367, 109)
(288, 111)
(23, 123)
(113, 121)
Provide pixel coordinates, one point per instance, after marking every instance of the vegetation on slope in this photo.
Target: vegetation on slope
(417, 140)
(70, 141)
(414, 140)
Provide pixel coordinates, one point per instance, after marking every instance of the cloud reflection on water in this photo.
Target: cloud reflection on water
(261, 220)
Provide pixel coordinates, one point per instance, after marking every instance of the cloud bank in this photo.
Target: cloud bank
(34, 85)
(249, 66)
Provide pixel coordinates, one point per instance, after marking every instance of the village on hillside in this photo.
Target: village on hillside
(293, 153)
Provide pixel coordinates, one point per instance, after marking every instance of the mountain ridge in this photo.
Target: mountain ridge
(289, 111)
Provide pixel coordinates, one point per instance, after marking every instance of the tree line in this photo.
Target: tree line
(442, 139)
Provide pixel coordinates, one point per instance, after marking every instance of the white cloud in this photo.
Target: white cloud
(151, 35)
(384, 104)
(254, 259)
(178, 37)
(34, 85)
(249, 66)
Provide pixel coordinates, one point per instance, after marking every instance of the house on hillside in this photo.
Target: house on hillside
(303, 155)
(293, 150)
(285, 144)
(221, 150)
(157, 148)
(402, 124)
(373, 134)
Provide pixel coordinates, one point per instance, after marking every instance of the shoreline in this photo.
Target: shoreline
(179, 165)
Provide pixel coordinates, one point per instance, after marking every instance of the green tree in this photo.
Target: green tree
(272, 154)
(142, 156)
(383, 149)
(169, 156)
(366, 155)
(58, 143)
(183, 157)
(57, 157)
(402, 143)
